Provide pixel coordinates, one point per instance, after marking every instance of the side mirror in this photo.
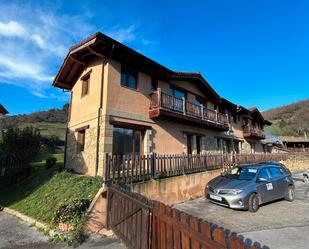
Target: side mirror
(262, 180)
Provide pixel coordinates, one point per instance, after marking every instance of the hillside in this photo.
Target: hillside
(289, 120)
(49, 123)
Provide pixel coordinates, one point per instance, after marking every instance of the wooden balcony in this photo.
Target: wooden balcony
(166, 106)
(253, 132)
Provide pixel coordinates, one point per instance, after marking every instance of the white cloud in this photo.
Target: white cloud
(34, 40)
(12, 68)
(38, 40)
(123, 34)
(12, 28)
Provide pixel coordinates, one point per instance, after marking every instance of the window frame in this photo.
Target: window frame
(133, 146)
(154, 84)
(125, 73)
(85, 84)
(81, 139)
(172, 90)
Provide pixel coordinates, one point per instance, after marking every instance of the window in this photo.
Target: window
(128, 77)
(81, 140)
(85, 84)
(177, 93)
(275, 172)
(126, 141)
(221, 109)
(218, 143)
(264, 173)
(198, 102)
(154, 84)
(233, 117)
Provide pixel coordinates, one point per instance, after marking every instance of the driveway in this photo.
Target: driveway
(16, 234)
(280, 224)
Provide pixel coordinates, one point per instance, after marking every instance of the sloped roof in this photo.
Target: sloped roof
(255, 113)
(100, 44)
(3, 110)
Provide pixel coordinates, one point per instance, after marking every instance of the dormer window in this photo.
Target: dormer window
(128, 77)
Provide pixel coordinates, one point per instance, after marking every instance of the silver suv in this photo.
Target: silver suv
(249, 186)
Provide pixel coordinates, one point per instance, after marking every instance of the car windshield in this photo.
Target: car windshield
(242, 173)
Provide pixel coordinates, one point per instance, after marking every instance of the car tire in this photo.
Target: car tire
(290, 194)
(253, 203)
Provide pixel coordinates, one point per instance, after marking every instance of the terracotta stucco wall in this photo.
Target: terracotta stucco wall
(176, 189)
(84, 112)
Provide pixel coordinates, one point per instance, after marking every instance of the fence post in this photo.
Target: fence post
(159, 97)
(184, 163)
(153, 165)
(107, 170)
(184, 105)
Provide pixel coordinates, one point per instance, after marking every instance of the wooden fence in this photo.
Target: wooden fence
(144, 224)
(126, 169)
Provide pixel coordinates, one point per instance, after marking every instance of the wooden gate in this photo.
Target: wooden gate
(129, 216)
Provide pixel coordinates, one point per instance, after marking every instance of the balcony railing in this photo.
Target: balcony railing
(181, 106)
(250, 131)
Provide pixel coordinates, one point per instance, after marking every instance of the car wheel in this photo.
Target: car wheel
(254, 203)
(290, 195)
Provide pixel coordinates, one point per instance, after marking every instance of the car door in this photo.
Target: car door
(266, 189)
(280, 179)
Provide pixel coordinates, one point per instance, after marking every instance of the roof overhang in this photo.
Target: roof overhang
(199, 81)
(100, 45)
(3, 110)
(254, 113)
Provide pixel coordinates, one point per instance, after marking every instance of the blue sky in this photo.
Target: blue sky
(254, 53)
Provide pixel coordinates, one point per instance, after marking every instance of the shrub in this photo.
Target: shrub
(50, 162)
(71, 211)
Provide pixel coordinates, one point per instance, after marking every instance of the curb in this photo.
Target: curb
(29, 220)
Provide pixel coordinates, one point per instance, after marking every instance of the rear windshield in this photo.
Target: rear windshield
(242, 173)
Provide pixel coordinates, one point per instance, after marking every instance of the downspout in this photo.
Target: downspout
(105, 60)
(67, 132)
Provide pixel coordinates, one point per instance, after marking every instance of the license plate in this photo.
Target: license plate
(215, 197)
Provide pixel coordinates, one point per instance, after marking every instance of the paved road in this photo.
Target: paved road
(281, 224)
(15, 234)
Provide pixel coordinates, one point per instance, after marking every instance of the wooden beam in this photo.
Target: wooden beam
(75, 59)
(95, 52)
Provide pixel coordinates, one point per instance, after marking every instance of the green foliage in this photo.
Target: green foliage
(50, 162)
(51, 123)
(70, 211)
(290, 120)
(40, 195)
(20, 145)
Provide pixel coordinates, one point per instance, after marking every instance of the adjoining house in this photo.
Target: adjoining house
(3, 111)
(295, 144)
(125, 103)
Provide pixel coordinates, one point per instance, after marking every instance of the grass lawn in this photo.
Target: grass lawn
(40, 195)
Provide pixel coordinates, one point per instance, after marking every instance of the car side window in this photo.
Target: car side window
(264, 173)
(275, 172)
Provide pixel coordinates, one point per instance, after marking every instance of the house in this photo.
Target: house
(125, 103)
(3, 111)
(295, 144)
